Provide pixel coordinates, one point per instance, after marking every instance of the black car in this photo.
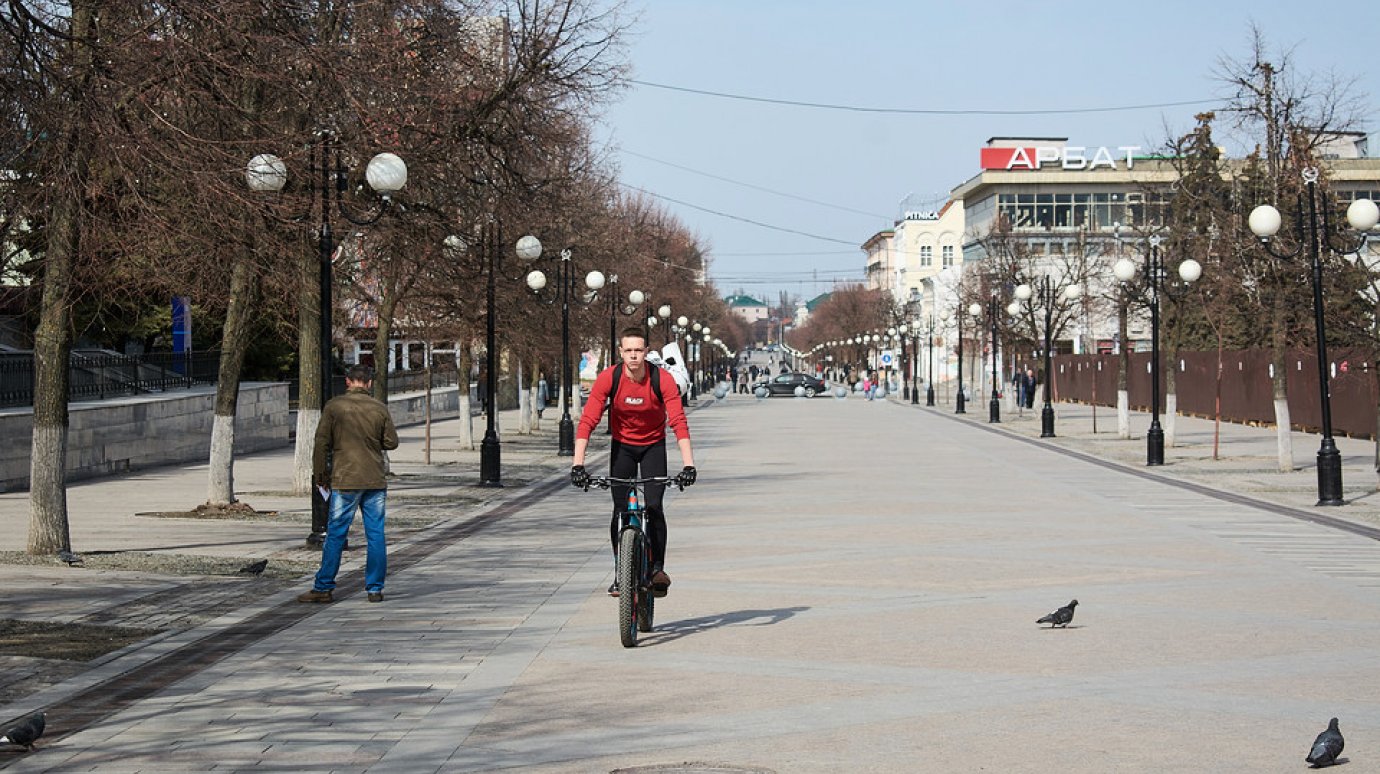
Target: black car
(785, 384)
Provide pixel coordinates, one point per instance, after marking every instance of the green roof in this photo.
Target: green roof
(743, 301)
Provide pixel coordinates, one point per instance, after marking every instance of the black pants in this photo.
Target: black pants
(624, 463)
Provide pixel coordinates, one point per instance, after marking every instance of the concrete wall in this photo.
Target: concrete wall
(113, 436)
(409, 408)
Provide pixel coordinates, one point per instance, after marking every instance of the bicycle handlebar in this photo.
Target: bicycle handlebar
(604, 482)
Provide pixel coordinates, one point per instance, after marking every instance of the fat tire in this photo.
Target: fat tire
(629, 585)
(646, 599)
(809, 392)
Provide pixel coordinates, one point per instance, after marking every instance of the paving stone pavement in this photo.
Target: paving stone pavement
(855, 589)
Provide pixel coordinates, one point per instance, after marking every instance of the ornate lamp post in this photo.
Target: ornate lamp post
(961, 400)
(565, 277)
(1265, 222)
(1125, 270)
(664, 312)
(929, 383)
(386, 174)
(1048, 295)
(616, 307)
(993, 404)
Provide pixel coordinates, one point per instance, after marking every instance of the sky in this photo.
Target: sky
(783, 196)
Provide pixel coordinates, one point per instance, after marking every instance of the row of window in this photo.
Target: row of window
(1082, 210)
(927, 255)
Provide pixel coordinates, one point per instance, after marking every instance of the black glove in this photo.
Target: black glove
(686, 476)
(579, 477)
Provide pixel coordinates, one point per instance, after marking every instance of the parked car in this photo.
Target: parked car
(785, 384)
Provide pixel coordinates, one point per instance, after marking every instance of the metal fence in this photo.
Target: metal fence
(1245, 393)
(398, 381)
(95, 375)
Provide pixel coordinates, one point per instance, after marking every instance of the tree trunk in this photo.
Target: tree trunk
(463, 365)
(308, 369)
(383, 350)
(1171, 396)
(48, 528)
(1123, 369)
(1283, 425)
(234, 342)
(524, 405)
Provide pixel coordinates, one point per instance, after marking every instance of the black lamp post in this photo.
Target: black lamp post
(1047, 293)
(1125, 270)
(993, 405)
(386, 174)
(1265, 222)
(530, 247)
(617, 307)
(899, 334)
(961, 400)
(929, 383)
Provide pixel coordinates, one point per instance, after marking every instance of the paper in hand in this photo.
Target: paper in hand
(325, 493)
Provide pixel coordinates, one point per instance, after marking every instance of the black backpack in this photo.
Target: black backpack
(653, 373)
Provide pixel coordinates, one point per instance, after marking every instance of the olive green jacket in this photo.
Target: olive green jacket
(354, 431)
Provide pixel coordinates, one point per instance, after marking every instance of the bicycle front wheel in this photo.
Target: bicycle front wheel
(646, 600)
(629, 576)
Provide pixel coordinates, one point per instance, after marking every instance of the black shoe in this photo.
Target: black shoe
(376, 596)
(316, 597)
(661, 582)
(613, 589)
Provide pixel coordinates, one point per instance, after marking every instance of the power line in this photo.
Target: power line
(736, 217)
(753, 187)
(923, 111)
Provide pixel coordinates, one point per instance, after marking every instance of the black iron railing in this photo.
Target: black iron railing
(97, 374)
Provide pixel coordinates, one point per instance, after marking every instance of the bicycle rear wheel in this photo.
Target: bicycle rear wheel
(629, 575)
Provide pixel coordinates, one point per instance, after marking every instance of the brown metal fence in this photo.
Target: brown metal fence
(1246, 395)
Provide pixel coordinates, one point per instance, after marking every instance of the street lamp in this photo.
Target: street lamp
(565, 276)
(993, 404)
(1048, 295)
(1265, 222)
(1125, 270)
(961, 401)
(386, 174)
(664, 312)
(616, 307)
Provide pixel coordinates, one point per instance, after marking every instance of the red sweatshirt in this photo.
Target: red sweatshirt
(636, 417)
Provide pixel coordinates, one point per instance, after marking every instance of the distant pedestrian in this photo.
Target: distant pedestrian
(1030, 384)
(354, 431)
(743, 381)
(868, 385)
(543, 395)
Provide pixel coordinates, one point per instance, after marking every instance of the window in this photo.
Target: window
(948, 255)
(926, 255)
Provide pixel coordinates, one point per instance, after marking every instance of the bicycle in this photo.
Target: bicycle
(633, 567)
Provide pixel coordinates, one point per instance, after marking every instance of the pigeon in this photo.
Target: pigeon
(72, 560)
(1060, 617)
(254, 568)
(27, 731)
(1326, 747)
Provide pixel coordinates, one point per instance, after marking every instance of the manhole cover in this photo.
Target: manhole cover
(693, 768)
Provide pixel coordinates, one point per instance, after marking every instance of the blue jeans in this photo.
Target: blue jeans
(371, 503)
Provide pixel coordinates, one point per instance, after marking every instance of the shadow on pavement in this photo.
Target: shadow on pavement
(674, 630)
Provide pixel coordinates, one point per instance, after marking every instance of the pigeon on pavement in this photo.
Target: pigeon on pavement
(25, 732)
(1327, 746)
(1060, 617)
(254, 568)
(73, 560)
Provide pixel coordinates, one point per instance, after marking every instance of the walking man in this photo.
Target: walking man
(354, 432)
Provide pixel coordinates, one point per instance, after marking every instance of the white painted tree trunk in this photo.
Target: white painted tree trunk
(1123, 414)
(524, 418)
(1284, 435)
(48, 490)
(466, 440)
(1171, 413)
(221, 481)
(307, 420)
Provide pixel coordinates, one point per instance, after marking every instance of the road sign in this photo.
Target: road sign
(888, 357)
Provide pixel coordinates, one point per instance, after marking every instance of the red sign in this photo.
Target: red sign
(1070, 157)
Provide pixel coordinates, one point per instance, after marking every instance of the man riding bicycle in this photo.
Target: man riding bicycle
(642, 400)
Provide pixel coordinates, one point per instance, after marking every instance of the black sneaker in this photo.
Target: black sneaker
(613, 589)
